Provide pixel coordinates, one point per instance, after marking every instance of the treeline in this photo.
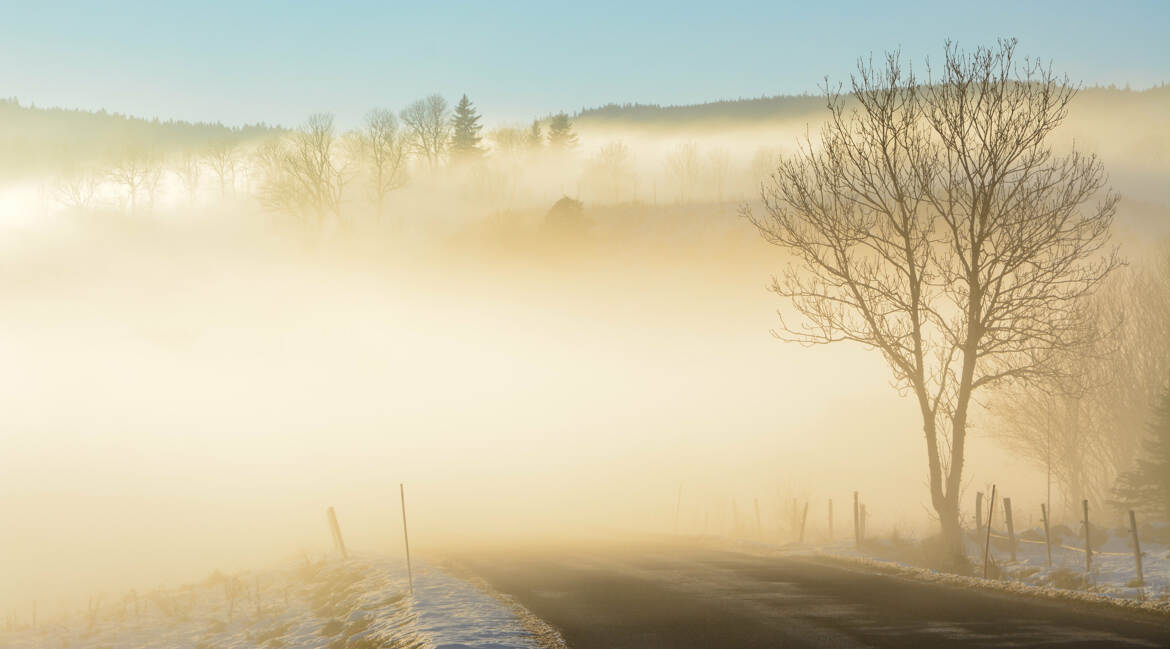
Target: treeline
(36, 141)
(314, 173)
(755, 109)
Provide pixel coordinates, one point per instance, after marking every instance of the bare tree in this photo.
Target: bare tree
(428, 125)
(77, 187)
(509, 141)
(935, 224)
(305, 172)
(384, 153)
(189, 170)
(223, 157)
(719, 167)
(684, 168)
(613, 169)
(138, 171)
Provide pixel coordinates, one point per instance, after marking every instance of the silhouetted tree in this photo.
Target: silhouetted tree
(383, 151)
(138, 170)
(934, 223)
(429, 128)
(305, 173)
(560, 132)
(222, 157)
(465, 130)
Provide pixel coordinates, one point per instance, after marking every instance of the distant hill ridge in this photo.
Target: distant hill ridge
(780, 107)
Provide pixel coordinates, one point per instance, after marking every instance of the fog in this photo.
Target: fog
(188, 388)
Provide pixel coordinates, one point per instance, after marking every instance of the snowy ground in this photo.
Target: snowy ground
(1112, 579)
(362, 603)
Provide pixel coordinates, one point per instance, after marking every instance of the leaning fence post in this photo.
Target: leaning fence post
(803, 519)
(1088, 545)
(1047, 534)
(862, 519)
(336, 532)
(987, 538)
(406, 537)
(1011, 528)
(1137, 548)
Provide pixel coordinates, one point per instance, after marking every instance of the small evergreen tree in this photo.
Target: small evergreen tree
(535, 136)
(560, 132)
(1147, 486)
(465, 129)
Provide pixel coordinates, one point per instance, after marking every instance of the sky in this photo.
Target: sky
(241, 62)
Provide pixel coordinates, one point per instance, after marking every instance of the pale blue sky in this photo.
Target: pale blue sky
(278, 61)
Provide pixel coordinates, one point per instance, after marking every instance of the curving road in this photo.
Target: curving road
(650, 595)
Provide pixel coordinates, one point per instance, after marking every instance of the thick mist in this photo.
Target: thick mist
(188, 388)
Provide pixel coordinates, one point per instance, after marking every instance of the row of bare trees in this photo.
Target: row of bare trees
(1083, 426)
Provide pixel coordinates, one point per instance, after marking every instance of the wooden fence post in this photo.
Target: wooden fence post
(830, 520)
(978, 514)
(987, 538)
(336, 532)
(1137, 548)
(862, 519)
(1088, 543)
(1011, 528)
(1047, 533)
(406, 537)
(856, 529)
(803, 519)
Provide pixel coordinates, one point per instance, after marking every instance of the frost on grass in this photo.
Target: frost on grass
(357, 604)
(1112, 579)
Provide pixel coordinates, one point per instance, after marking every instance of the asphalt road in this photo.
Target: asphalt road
(648, 595)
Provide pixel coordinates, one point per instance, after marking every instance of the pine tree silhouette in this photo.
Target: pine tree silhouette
(560, 132)
(465, 131)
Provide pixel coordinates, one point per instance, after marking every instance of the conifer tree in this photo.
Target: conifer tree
(535, 136)
(465, 128)
(560, 132)
(1147, 486)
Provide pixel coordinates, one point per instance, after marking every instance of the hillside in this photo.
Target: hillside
(36, 140)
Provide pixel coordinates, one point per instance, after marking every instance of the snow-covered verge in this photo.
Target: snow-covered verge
(362, 603)
(1112, 579)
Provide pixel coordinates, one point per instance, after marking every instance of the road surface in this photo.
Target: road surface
(650, 595)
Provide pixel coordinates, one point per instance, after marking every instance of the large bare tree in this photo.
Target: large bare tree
(428, 124)
(933, 222)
